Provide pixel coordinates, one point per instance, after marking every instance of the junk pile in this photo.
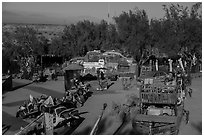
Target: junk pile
(72, 99)
(51, 119)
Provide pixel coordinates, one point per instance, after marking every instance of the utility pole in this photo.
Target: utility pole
(108, 13)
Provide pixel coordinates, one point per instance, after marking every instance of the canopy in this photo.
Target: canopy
(74, 66)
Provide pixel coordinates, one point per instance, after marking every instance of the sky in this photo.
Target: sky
(69, 12)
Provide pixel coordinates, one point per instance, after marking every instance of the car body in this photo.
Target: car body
(63, 116)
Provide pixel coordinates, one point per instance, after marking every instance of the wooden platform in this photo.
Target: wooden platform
(153, 118)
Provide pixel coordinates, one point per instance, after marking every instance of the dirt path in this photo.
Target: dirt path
(194, 105)
(110, 123)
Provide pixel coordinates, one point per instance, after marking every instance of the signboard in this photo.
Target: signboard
(49, 117)
(49, 124)
(158, 94)
(158, 98)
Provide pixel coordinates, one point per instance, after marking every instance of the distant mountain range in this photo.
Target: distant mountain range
(12, 17)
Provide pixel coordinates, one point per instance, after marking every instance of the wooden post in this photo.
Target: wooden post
(170, 65)
(181, 64)
(48, 116)
(150, 64)
(157, 65)
(150, 128)
(48, 123)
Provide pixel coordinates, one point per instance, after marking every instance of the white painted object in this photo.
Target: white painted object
(181, 64)
(157, 65)
(170, 65)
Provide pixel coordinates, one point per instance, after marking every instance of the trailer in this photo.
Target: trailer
(161, 108)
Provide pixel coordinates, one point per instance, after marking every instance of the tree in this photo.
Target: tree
(27, 40)
(177, 30)
(133, 32)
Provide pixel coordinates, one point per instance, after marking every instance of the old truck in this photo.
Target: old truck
(161, 108)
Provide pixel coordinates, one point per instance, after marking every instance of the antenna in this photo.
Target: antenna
(108, 13)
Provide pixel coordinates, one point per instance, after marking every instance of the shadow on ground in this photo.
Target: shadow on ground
(13, 104)
(87, 130)
(103, 126)
(12, 121)
(198, 127)
(16, 86)
(73, 128)
(42, 90)
(5, 128)
(20, 86)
